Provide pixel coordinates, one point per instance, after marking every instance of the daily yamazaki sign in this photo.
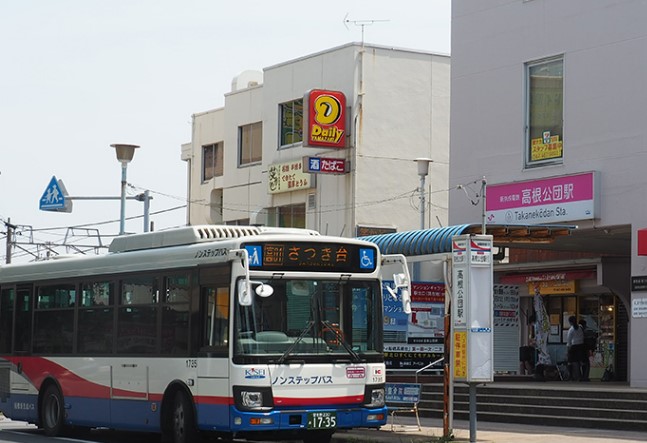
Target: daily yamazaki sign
(326, 117)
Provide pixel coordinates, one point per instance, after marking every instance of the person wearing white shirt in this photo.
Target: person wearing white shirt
(575, 346)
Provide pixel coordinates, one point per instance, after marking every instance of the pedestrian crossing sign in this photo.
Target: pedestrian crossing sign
(54, 197)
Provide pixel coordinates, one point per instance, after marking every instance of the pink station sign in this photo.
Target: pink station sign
(550, 200)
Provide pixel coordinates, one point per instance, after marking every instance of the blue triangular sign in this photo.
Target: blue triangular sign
(53, 198)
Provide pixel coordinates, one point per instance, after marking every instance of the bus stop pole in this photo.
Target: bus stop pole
(472, 394)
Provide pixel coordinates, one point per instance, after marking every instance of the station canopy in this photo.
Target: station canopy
(439, 240)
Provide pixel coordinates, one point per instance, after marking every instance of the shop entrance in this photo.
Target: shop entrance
(605, 316)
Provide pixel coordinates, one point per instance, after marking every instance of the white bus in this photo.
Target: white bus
(245, 332)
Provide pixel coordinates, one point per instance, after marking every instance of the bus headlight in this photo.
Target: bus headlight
(253, 398)
(374, 396)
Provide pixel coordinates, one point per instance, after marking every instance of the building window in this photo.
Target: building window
(212, 161)
(240, 222)
(250, 143)
(291, 115)
(545, 111)
(291, 216)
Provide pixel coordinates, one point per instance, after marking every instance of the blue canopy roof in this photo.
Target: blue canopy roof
(420, 242)
(439, 240)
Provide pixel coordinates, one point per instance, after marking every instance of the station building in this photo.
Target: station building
(547, 104)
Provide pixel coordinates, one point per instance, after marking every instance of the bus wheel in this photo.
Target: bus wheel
(52, 412)
(184, 428)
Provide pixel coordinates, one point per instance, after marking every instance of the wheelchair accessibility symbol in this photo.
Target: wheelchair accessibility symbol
(367, 258)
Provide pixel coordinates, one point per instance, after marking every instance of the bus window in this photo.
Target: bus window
(140, 290)
(137, 330)
(177, 289)
(175, 315)
(54, 331)
(95, 332)
(97, 294)
(22, 342)
(7, 298)
(56, 296)
(216, 330)
(175, 329)
(54, 319)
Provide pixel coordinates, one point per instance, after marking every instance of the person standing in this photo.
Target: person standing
(590, 343)
(575, 347)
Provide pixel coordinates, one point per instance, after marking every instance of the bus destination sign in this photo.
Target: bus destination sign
(310, 256)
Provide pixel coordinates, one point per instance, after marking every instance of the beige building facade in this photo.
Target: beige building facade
(326, 142)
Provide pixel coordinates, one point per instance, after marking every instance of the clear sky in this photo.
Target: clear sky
(79, 75)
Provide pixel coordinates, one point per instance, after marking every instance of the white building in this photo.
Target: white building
(548, 104)
(244, 160)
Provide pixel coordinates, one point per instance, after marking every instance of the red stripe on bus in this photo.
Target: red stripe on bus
(37, 369)
(211, 400)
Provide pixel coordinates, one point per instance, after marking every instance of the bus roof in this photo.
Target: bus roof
(195, 234)
(185, 247)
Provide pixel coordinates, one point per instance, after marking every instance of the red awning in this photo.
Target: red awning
(519, 279)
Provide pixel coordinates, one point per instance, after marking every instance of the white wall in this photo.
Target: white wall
(208, 128)
(405, 115)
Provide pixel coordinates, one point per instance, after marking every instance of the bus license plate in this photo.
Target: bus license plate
(322, 420)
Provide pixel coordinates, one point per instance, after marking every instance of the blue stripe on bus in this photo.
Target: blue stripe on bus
(347, 418)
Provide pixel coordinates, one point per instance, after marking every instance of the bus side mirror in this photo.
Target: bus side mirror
(244, 292)
(406, 301)
(263, 290)
(402, 282)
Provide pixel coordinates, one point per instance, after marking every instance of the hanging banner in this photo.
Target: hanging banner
(542, 329)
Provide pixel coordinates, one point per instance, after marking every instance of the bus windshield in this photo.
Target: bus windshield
(311, 320)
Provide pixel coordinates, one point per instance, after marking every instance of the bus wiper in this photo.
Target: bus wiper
(296, 342)
(340, 337)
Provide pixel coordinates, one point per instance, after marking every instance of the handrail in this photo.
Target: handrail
(433, 363)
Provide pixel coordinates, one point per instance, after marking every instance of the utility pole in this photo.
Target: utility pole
(10, 229)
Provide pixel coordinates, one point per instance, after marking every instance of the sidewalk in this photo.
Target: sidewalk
(488, 432)
(7, 423)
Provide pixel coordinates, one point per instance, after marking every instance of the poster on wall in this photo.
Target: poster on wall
(413, 341)
(506, 306)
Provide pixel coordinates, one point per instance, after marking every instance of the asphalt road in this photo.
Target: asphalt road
(18, 434)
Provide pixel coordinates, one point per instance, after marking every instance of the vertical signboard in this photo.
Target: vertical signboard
(326, 119)
(472, 308)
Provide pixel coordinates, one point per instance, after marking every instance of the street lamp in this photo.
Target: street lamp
(423, 171)
(125, 154)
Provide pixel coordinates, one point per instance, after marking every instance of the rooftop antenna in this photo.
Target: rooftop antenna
(361, 23)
